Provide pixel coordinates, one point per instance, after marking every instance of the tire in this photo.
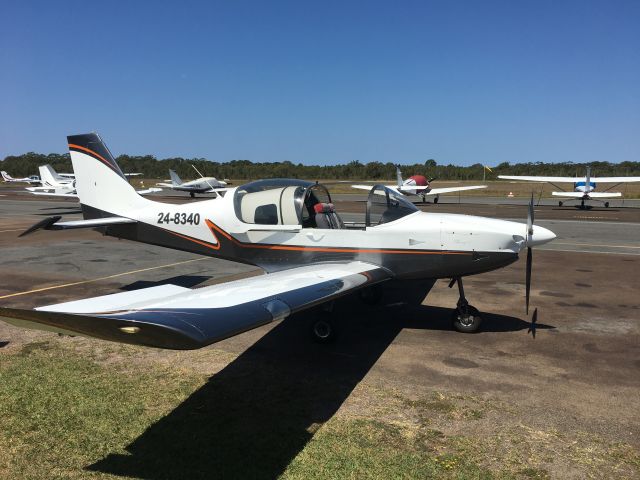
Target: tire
(193, 195)
(606, 204)
(559, 204)
(323, 331)
(468, 323)
(435, 200)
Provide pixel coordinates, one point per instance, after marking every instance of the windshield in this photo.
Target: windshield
(385, 205)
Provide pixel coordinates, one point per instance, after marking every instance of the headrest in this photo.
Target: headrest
(324, 207)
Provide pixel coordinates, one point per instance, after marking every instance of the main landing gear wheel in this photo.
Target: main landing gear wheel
(323, 329)
(193, 195)
(606, 204)
(466, 321)
(465, 318)
(435, 200)
(559, 204)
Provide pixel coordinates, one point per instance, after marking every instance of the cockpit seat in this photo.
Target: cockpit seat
(326, 216)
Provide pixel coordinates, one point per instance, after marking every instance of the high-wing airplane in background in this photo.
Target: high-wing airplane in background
(420, 186)
(291, 230)
(53, 184)
(33, 179)
(199, 185)
(583, 187)
(64, 185)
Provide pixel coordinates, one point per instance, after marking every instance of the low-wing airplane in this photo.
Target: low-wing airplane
(33, 179)
(583, 187)
(199, 185)
(287, 227)
(420, 186)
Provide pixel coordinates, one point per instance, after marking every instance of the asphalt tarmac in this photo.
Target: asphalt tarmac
(579, 375)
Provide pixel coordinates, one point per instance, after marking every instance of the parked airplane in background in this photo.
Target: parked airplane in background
(52, 183)
(583, 187)
(33, 179)
(200, 185)
(287, 227)
(55, 185)
(419, 185)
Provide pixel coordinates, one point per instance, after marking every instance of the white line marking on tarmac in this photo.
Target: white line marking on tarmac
(82, 282)
(584, 251)
(595, 245)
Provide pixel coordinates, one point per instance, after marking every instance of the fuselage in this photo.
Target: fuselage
(417, 245)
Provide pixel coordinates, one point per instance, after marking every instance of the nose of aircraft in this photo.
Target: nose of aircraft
(540, 236)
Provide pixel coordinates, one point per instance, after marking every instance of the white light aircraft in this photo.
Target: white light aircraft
(33, 179)
(583, 187)
(199, 185)
(420, 186)
(287, 227)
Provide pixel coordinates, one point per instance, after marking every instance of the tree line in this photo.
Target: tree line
(150, 167)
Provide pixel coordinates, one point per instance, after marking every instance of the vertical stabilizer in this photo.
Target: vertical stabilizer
(6, 177)
(100, 183)
(399, 176)
(175, 179)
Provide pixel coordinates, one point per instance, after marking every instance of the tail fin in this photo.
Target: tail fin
(175, 179)
(100, 183)
(6, 177)
(399, 175)
(50, 177)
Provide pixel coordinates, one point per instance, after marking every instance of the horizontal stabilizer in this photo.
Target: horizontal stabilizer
(587, 195)
(52, 223)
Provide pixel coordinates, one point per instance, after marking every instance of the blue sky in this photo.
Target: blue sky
(323, 82)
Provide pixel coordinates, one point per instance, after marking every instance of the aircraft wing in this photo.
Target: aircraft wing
(543, 179)
(64, 195)
(179, 318)
(615, 179)
(439, 191)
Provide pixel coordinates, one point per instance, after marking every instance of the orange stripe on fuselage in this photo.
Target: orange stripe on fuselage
(213, 226)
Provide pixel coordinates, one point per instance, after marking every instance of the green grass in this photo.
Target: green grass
(70, 412)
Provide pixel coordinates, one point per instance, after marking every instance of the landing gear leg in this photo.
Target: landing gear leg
(581, 204)
(465, 317)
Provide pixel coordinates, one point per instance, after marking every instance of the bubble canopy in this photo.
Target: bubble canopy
(283, 201)
(279, 201)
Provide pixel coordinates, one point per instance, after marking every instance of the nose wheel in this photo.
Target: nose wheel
(465, 318)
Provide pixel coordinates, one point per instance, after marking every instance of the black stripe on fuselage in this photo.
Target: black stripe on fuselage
(407, 264)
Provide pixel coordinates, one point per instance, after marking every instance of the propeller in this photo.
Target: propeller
(432, 179)
(529, 255)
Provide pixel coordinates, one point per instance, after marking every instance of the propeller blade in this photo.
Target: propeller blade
(530, 217)
(432, 179)
(528, 278)
(532, 325)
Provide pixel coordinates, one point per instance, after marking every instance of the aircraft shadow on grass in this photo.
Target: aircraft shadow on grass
(252, 418)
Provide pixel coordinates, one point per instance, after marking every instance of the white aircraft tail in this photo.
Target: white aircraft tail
(50, 177)
(175, 179)
(100, 183)
(6, 177)
(399, 176)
